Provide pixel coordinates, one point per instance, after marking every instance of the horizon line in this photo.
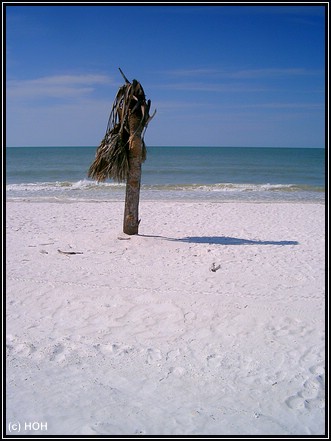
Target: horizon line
(171, 146)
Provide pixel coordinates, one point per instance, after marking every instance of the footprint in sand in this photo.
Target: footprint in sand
(153, 356)
(310, 396)
(113, 349)
(295, 402)
(316, 403)
(189, 317)
(22, 349)
(213, 360)
(311, 389)
(177, 371)
(57, 353)
(317, 369)
(173, 354)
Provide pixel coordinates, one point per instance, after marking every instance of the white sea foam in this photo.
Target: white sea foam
(61, 186)
(91, 190)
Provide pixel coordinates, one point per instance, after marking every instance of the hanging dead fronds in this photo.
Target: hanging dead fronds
(112, 156)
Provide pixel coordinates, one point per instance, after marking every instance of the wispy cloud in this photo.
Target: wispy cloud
(218, 80)
(271, 73)
(272, 105)
(60, 86)
(210, 87)
(243, 73)
(204, 109)
(192, 72)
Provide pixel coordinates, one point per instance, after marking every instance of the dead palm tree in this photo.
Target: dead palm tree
(122, 150)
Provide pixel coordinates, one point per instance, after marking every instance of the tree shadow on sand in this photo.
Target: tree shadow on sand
(224, 240)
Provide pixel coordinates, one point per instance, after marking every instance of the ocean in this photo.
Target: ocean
(219, 174)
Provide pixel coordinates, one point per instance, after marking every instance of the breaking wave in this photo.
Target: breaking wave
(92, 190)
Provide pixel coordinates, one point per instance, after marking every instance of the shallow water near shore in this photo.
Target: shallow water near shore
(172, 173)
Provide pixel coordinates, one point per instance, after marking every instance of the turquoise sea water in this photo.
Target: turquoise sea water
(175, 173)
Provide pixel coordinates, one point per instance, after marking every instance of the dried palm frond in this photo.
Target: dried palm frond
(112, 156)
(111, 159)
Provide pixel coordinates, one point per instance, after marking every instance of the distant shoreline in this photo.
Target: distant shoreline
(165, 146)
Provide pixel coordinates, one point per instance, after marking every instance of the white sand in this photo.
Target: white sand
(139, 336)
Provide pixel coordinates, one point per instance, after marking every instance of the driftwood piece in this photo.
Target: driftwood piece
(69, 252)
(123, 238)
(214, 268)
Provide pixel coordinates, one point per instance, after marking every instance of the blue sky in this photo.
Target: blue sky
(218, 75)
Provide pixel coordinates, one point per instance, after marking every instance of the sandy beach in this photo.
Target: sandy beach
(209, 322)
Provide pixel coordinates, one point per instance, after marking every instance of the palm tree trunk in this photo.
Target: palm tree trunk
(131, 213)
